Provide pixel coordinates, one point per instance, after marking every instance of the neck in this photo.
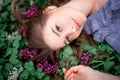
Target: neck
(98, 4)
(87, 7)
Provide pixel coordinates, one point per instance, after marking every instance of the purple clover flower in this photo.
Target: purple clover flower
(85, 58)
(23, 31)
(28, 53)
(32, 12)
(48, 68)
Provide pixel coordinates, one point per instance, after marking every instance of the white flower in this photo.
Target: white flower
(12, 36)
(13, 75)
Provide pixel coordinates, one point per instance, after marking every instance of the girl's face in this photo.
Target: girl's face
(63, 25)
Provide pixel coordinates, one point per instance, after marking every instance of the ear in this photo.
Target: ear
(49, 10)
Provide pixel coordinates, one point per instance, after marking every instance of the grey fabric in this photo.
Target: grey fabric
(105, 24)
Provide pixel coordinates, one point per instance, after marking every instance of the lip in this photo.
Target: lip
(76, 22)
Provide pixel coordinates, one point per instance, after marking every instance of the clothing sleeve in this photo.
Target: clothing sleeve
(104, 25)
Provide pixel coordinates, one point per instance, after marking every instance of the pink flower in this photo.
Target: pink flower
(32, 12)
(28, 53)
(48, 68)
(85, 58)
(23, 31)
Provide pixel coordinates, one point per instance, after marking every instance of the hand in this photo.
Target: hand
(86, 73)
(80, 73)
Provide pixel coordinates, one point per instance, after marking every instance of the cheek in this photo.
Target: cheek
(76, 35)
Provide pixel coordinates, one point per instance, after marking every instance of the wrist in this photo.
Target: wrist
(106, 76)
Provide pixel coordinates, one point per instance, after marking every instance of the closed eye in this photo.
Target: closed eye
(68, 39)
(58, 28)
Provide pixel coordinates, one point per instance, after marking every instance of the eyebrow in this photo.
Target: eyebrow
(58, 35)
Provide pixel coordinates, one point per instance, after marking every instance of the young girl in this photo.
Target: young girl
(56, 27)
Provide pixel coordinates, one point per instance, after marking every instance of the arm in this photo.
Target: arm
(86, 73)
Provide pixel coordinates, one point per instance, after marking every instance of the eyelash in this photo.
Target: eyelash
(58, 28)
(68, 39)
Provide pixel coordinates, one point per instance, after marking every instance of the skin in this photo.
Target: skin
(65, 23)
(86, 73)
(62, 28)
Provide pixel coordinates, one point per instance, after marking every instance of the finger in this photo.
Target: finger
(67, 74)
(71, 70)
(71, 77)
(64, 70)
(74, 69)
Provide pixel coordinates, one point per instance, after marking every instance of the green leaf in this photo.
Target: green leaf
(65, 56)
(39, 75)
(95, 61)
(72, 58)
(24, 75)
(118, 57)
(13, 59)
(4, 34)
(29, 66)
(18, 64)
(8, 52)
(16, 44)
(32, 78)
(108, 65)
(1, 77)
(62, 63)
(8, 66)
(6, 2)
(109, 49)
(62, 57)
(3, 19)
(11, 51)
(46, 78)
(74, 63)
(2, 60)
(1, 67)
(2, 44)
(31, 2)
(12, 27)
(18, 37)
(67, 50)
(9, 8)
(39, 70)
(12, 17)
(101, 48)
(5, 74)
(5, 15)
(2, 27)
(97, 65)
(84, 45)
(93, 51)
(22, 43)
(14, 51)
(60, 72)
